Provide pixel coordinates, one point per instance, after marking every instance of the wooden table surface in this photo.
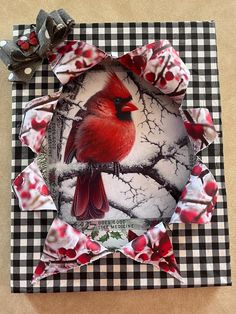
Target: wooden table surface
(198, 300)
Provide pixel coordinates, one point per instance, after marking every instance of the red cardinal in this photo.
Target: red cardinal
(106, 133)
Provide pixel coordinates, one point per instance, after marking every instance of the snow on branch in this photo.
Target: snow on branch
(146, 169)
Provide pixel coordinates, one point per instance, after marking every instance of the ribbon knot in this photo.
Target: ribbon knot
(23, 55)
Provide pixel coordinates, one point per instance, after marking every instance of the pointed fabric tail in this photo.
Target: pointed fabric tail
(90, 200)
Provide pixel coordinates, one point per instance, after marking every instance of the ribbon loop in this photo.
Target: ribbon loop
(24, 55)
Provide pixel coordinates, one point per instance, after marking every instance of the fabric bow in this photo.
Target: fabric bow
(24, 55)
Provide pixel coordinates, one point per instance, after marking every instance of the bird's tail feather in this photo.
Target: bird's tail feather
(90, 200)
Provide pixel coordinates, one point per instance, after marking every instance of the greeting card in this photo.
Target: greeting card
(118, 172)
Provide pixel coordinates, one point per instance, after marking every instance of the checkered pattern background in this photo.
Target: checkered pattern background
(201, 251)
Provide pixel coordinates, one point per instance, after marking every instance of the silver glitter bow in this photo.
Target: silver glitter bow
(24, 55)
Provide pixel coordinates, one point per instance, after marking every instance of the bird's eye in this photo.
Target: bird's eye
(117, 101)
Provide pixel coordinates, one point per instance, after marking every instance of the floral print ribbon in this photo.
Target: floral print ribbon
(23, 56)
(66, 248)
(198, 198)
(32, 191)
(159, 64)
(199, 126)
(37, 115)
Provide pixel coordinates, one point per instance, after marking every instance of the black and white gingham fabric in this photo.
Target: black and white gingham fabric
(201, 251)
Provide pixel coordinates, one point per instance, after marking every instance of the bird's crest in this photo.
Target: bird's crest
(115, 88)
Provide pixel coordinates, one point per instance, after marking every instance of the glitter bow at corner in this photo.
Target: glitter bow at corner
(23, 55)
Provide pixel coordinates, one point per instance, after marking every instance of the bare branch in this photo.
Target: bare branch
(146, 170)
(154, 95)
(135, 192)
(172, 152)
(123, 209)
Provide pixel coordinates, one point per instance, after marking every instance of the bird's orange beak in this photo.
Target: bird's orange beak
(129, 107)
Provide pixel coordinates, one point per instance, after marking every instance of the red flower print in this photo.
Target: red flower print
(211, 188)
(66, 48)
(84, 258)
(149, 76)
(197, 169)
(195, 130)
(139, 243)
(40, 268)
(25, 194)
(190, 216)
(169, 76)
(32, 38)
(23, 45)
(155, 256)
(162, 82)
(32, 186)
(38, 125)
(144, 257)
(19, 181)
(62, 251)
(131, 235)
(79, 64)
(164, 266)
(135, 64)
(71, 253)
(164, 245)
(151, 45)
(44, 190)
(25, 42)
(87, 53)
(93, 246)
(52, 57)
(78, 51)
(62, 230)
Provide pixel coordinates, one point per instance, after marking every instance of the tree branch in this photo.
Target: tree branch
(146, 170)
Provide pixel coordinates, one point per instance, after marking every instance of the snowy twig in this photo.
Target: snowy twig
(146, 170)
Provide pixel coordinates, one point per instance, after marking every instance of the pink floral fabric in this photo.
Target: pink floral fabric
(200, 127)
(154, 247)
(32, 191)
(66, 248)
(72, 58)
(159, 64)
(37, 115)
(198, 198)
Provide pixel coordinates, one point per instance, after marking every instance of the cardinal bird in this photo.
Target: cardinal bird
(105, 133)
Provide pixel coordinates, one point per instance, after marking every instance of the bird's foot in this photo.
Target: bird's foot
(117, 169)
(91, 168)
